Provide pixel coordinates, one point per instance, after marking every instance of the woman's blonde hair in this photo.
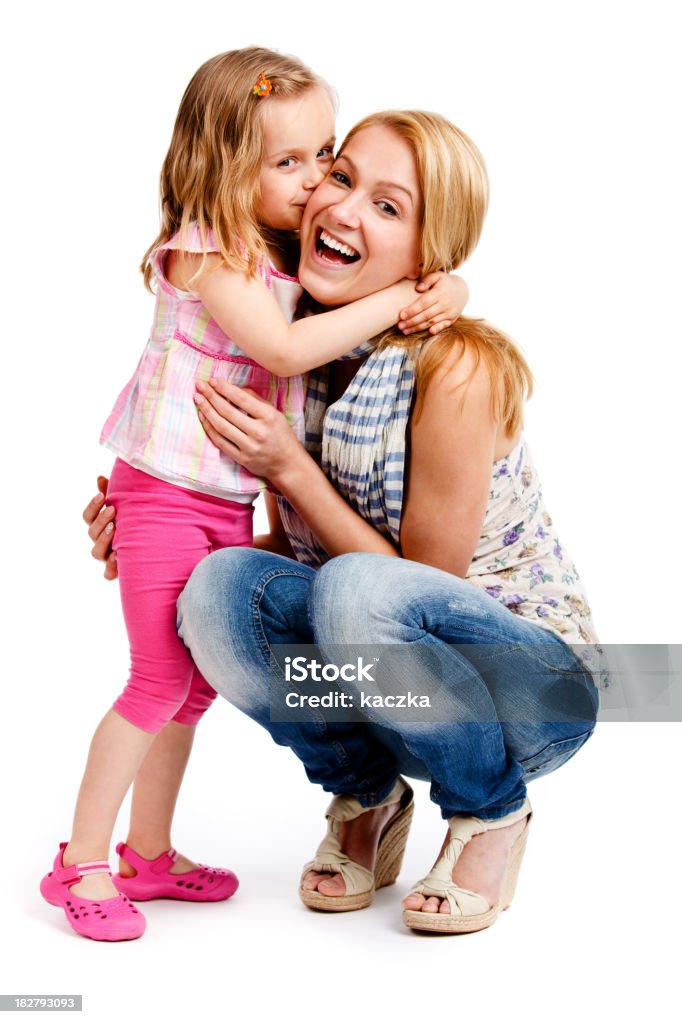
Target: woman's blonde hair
(211, 172)
(454, 184)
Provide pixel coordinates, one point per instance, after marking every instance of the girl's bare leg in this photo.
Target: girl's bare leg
(117, 750)
(155, 794)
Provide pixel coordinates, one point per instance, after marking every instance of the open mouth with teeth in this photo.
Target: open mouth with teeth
(333, 250)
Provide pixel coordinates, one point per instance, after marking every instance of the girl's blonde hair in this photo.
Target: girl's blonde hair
(454, 185)
(211, 172)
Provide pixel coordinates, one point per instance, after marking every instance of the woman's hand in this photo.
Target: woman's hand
(248, 429)
(445, 297)
(100, 520)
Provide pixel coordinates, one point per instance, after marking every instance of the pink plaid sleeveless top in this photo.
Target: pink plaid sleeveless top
(154, 424)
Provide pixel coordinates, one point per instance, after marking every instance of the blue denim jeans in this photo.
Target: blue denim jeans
(503, 673)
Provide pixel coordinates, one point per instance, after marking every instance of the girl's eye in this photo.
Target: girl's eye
(388, 208)
(341, 178)
(325, 153)
(287, 162)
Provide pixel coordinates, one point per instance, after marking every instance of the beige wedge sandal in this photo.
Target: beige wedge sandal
(361, 883)
(469, 911)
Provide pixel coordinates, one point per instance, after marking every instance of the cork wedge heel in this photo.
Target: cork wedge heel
(469, 911)
(361, 883)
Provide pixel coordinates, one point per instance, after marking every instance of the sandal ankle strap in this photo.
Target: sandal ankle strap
(460, 823)
(159, 866)
(347, 808)
(464, 827)
(69, 875)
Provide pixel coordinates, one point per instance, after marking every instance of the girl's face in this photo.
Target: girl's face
(298, 151)
(361, 230)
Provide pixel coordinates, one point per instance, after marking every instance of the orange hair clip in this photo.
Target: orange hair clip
(263, 86)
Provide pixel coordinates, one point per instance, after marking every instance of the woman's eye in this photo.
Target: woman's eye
(340, 177)
(387, 207)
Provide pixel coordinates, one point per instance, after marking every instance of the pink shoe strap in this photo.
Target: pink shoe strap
(160, 866)
(75, 872)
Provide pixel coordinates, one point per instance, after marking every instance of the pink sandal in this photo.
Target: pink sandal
(110, 920)
(154, 881)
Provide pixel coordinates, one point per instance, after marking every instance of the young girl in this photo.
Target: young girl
(253, 138)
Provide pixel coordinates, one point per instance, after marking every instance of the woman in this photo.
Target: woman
(397, 535)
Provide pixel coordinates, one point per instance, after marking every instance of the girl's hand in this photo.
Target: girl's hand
(248, 429)
(445, 297)
(100, 520)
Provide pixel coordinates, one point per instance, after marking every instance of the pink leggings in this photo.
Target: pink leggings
(162, 533)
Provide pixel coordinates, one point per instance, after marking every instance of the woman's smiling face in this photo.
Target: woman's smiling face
(361, 229)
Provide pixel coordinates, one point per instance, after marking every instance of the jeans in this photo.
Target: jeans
(503, 673)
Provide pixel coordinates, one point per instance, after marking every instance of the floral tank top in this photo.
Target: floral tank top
(519, 559)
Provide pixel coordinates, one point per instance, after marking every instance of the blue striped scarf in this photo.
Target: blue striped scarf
(360, 443)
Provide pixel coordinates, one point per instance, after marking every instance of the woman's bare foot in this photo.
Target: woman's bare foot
(359, 839)
(480, 868)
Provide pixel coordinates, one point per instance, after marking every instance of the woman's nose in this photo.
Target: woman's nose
(346, 212)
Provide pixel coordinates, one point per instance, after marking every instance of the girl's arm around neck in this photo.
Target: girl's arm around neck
(245, 309)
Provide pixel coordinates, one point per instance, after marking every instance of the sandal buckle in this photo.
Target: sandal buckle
(68, 875)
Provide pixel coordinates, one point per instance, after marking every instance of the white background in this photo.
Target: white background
(576, 109)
